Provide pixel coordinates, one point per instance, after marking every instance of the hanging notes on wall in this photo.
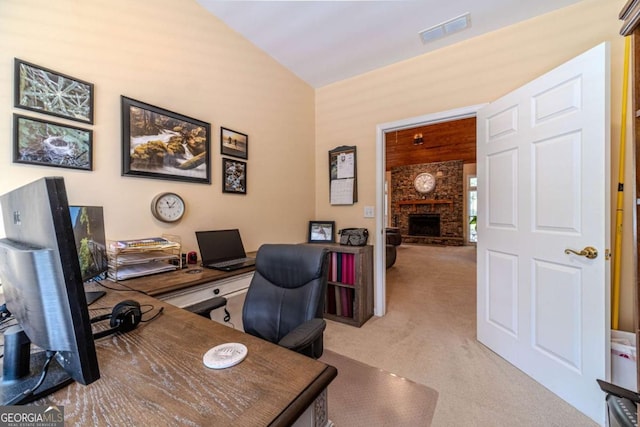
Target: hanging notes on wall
(343, 189)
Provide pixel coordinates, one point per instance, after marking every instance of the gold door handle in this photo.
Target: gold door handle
(589, 252)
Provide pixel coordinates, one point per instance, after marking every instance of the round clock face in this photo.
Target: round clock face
(167, 207)
(424, 182)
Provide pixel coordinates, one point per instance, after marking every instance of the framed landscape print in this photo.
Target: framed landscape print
(234, 176)
(40, 142)
(49, 92)
(158, 143)
(234, 143)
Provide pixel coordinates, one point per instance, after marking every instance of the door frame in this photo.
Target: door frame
(380, 293)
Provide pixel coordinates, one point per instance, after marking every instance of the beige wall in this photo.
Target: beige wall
(465, 74)
(175, 55)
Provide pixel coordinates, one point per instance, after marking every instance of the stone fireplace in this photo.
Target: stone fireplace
(432, 218)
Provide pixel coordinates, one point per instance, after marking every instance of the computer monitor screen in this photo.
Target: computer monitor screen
(43, 289)
(91, 244)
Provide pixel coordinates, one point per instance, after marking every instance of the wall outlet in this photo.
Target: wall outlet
(369, 212)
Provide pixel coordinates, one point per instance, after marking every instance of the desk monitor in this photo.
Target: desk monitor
(44, 291)
(91, 245)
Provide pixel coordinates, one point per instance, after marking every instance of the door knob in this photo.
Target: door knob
(589, 252)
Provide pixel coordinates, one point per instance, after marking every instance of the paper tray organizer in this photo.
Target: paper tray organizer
(142, 257)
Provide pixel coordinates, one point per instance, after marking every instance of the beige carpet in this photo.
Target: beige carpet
(365, 396)
(429, 336)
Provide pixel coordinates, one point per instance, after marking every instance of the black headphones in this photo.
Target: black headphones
(124, 317)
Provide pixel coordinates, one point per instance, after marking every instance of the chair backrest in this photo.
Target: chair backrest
(287, 289)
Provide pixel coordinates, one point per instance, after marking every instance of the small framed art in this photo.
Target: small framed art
(234, 143)
(158, 143)
(321, 232)
(49, 92)
(44, 143)
(234, 176)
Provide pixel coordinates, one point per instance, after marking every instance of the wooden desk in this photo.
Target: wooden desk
(154, 376)
(187, 287)
(163, 283)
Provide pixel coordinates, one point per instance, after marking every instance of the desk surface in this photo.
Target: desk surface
(158, 284)
(154, 375)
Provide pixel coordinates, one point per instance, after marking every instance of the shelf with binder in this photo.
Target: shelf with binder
(349, 296)
(142, 257)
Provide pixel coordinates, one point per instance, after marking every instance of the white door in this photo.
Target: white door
(543, 187)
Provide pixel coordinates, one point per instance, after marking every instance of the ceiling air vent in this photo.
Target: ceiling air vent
(446, 28)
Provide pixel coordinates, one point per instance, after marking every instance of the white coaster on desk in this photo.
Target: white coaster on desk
(225, 355)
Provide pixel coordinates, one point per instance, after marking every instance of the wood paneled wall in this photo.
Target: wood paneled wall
(442, 142)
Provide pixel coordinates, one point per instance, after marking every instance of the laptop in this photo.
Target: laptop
(223, 250)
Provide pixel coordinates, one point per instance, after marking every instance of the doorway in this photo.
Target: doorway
(381, 162)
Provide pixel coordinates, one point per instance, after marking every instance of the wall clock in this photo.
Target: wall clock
(168, 207)
(424, 182)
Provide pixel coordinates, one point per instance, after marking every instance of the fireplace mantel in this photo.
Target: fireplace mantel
(415, 203)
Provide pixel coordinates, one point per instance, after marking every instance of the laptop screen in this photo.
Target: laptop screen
(220, 245)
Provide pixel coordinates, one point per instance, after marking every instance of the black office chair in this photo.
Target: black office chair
(285, 300)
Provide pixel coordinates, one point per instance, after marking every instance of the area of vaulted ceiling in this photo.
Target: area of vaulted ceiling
(323, 42)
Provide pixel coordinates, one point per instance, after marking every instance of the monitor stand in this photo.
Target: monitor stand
(22, 370)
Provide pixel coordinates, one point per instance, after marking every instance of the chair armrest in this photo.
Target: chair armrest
(303, 335)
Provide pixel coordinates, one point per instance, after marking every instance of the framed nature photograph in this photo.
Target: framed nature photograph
(47, 91)
(321, 232)
(44, 143)
(158, 143)
(234, 143)
(234, 176)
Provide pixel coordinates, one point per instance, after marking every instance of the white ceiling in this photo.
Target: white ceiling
(323, 42)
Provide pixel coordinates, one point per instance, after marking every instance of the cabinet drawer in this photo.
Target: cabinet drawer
(187, 297)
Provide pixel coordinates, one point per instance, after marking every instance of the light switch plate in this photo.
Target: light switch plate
(369, 212)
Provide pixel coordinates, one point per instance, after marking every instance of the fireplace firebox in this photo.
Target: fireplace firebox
(424, 225)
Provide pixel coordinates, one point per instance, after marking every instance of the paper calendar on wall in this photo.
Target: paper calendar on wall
(343, 188)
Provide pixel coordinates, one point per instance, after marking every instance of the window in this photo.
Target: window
(473, 209)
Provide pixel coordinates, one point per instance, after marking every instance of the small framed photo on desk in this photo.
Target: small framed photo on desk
(322, 232)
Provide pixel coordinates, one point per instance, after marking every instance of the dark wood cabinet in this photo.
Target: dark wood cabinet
(349, 297)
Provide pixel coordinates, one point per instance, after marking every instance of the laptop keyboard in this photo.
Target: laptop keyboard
(230, 262)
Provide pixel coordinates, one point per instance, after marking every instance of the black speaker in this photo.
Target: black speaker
(124, 317)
